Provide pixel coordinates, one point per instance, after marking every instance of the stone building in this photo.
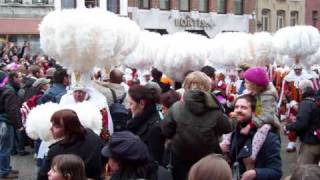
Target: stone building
(271, 15)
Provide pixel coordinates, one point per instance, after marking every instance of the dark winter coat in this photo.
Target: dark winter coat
(194, 126)
(10, 104)
(147, 127)
(268, 162)
(88, 150)
(307, 119)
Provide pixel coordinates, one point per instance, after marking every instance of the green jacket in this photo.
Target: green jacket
(194, 126)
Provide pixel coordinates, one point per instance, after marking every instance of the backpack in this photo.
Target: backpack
(119, 113)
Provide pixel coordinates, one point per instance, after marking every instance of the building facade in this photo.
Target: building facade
(19, 20)
(207, 17)
(312, 10)
(272, 15)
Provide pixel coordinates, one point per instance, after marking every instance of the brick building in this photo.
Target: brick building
(19, 20)
(312, 13)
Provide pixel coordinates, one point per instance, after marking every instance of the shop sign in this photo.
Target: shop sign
(192, 22)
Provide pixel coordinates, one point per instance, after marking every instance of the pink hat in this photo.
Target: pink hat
(257, 75)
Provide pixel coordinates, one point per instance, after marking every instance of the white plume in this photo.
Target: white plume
(80, 39)
(263, 48)
(230, 49)
(312, 60)
(143, 56)
(298, 41)
(89, 115)
(38, 121)
(181, 52)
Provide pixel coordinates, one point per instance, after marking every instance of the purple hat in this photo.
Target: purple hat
(257, 75)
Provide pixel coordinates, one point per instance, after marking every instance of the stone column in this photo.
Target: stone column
(174, 4)
(230, 6)
(194, 5)
(154, 4)
(212, 5)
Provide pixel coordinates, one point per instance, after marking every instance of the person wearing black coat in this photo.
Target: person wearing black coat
(146, 119)
(75, 139)
(306, 123)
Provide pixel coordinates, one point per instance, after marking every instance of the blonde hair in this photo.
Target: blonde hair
(197, 81)
(212, 166)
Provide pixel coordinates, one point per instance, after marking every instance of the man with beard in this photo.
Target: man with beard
(268, 162)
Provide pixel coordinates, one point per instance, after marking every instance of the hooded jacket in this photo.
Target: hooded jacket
(194, 126)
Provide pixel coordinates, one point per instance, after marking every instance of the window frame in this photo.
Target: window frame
(265, 19)
(281, 17)
(294, 18)
(224, 8)
(206, 7)
(168, 8)
(241, 12)
(185, 10)
(141, 5)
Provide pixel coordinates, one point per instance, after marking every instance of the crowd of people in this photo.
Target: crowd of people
(213, 125)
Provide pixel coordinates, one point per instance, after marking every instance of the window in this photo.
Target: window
(39, 1)
(13, 1)
(238, 7)
(113, 6)
(203, 5)
(265, 21)
(280, 19)
(91, 3)
(221, 6)
(68, 4)
(314, 18)
(184, 5)
(164, 4)
(144, 4)
(294, 18)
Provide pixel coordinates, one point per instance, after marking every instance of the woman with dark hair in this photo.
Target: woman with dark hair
(67, 167)
(73, 138)
(145, 118)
